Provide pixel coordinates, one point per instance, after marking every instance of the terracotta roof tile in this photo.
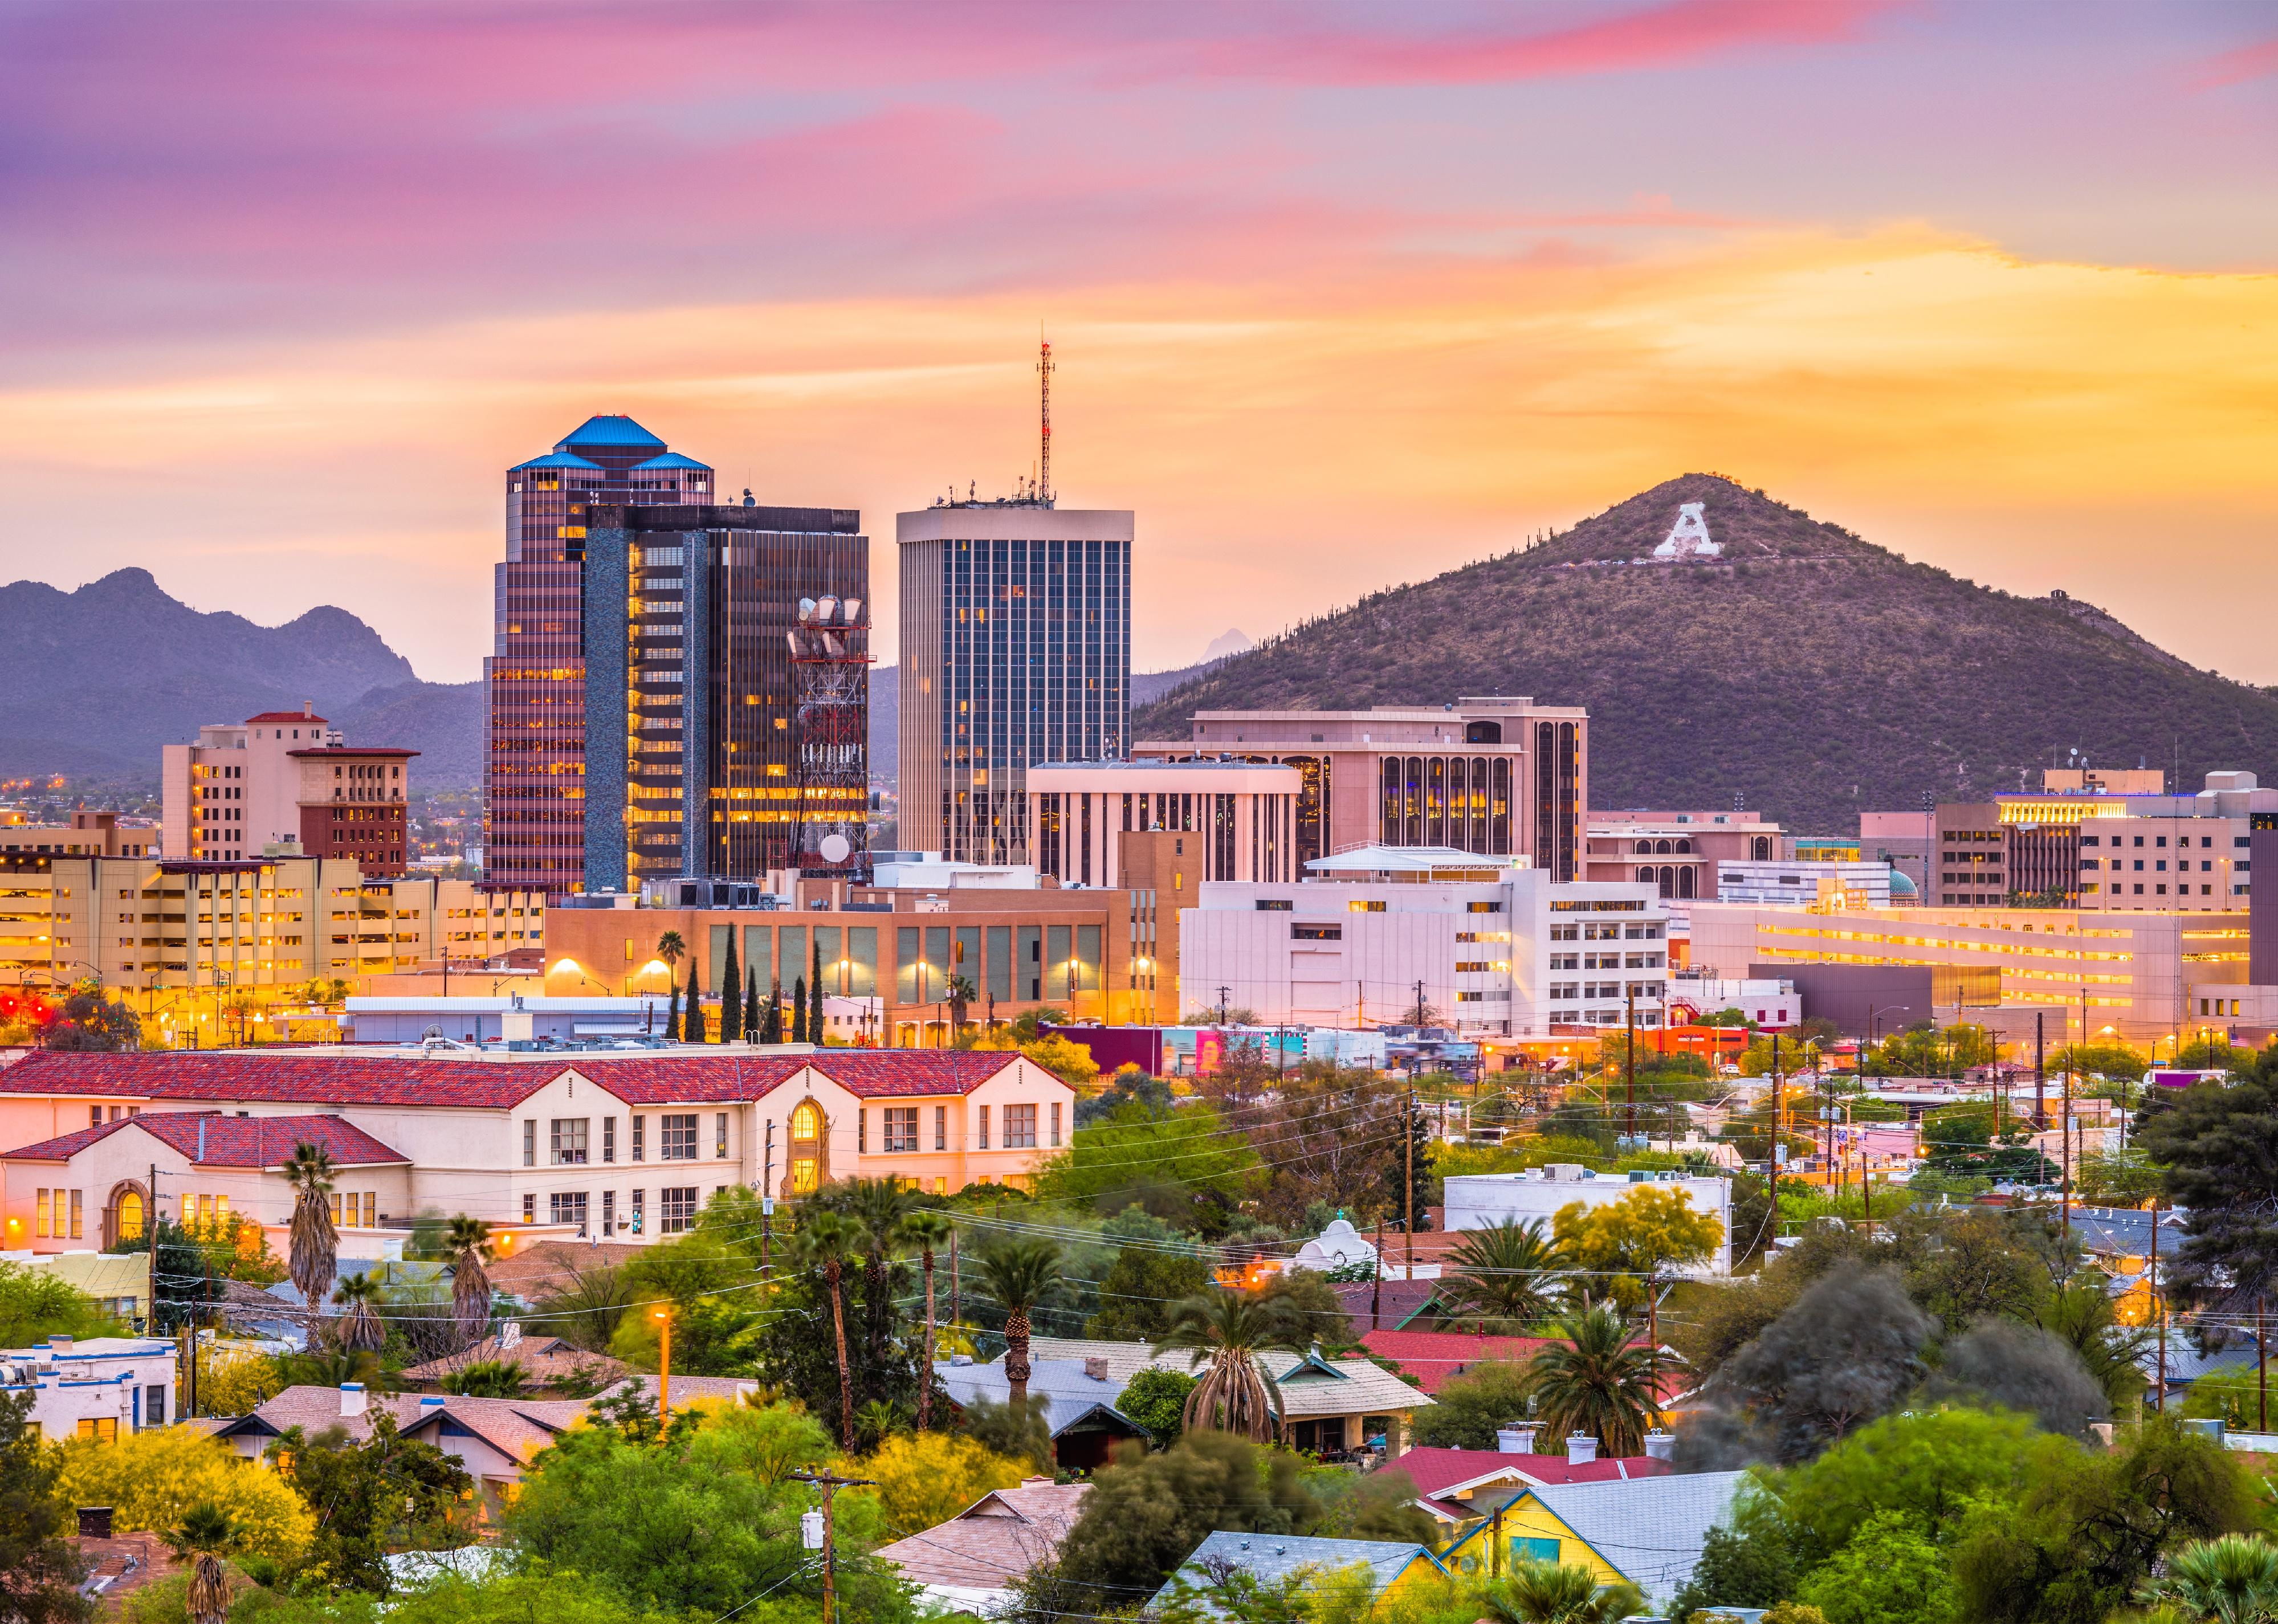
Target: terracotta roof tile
(543, 1360)
(315, 1077)
(211, 1140)
(1434, 1356)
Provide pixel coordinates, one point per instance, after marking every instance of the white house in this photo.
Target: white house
(100, 1388)
(616, 1144)
(1481, 1201)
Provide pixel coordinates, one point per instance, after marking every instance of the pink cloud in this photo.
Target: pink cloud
(1675, 34)
(2236, 67)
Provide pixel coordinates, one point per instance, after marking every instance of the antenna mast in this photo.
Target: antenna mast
(1044, 462)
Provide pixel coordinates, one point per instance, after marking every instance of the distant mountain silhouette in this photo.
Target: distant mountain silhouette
(117, 668)
(1728, 644)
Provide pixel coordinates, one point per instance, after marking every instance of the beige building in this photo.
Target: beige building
(2148, 976)
(1241, 817)
(88, 833)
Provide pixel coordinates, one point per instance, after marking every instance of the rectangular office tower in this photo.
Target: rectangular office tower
(722, 732)
(1015, 649)
(533, 760)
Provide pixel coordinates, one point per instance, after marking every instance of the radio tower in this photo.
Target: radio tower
(1044, 463)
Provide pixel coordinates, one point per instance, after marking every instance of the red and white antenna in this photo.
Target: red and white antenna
(1044, 462)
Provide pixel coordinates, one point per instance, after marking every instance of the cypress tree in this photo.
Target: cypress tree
(773, 1029)
(814, 1015)
(799, 1011)
(752, 1028)
(692, 1018)
(672, 1013)
(731, 1005)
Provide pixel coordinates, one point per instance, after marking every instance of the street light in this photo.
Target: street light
(663, 1317)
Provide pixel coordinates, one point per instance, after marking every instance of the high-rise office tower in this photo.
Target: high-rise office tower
(533, 768)
(726, 697)
(1015, 649)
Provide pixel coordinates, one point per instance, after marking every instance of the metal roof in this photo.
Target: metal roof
(670, 459)
(556, 458)
(607, 429)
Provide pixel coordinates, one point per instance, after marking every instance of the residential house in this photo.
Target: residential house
(1648, 1530)
(1393, 1567)
(98, 1388)
(971, 1562)
(1458, 1487)
(1435, 1357)
(544, 1362)
(1327, 1407)
(1079, 1403)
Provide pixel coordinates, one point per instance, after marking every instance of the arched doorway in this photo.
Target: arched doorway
(1685, 881)
(806, 1167)
(126, 1215)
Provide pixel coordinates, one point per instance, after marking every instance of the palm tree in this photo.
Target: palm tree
(1598, 1380)
(1510, 1274)
(829, 1240)
(488, 1378)
(672, 950)
(360, 1330)
(467, 1244)
(1018, 1273)
(2233, 1580)
(1548, 1593)
(1232, 1328)
(959, 993)
(928, 1232)
(315, 1243)
(205, 1534)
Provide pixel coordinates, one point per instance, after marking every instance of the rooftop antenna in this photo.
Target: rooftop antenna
(1044, 461)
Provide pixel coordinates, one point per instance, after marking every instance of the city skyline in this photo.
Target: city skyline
(1320, 280)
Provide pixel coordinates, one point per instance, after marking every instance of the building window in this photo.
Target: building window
(1317, 933)
(676, 1138)
(862, 1132)
(1020, 1127)
(529, 1141)
(720, 1136)
(1056, 1123)
(104, 1428)
(901, 1129)
(941, 1127)
(807, 1123)
(567, 1207)
(77, 1233)
(567, 1141)
(805, 1175)
(608, 1139)
(985, 1127)
(528, 1208)
(608, 1213)
(639, 1220)
(640, 1133)
(676, 1209)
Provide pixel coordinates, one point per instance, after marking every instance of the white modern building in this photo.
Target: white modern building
(1241, 816)
(1805, 884)
(1767, 1001)
(1482, 1201)
(102, 1388)
(511, 1019)
(1495, 951)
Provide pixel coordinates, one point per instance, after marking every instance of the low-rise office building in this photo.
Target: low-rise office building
(1678, 852)
(1799, 883)
(2112, 847)
(101, 1388)
(1493, 951)
(90, 833)
(614, 1144)
(1241, 816)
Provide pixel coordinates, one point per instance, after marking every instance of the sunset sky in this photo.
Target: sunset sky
(1341, 294)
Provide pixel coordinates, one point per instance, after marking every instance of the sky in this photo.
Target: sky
(1341, 294)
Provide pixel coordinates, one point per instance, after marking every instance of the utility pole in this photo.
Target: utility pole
(954, 1316)
(768, 1199)
(1376, 1286)
(1628, 1062)
(2040, 1074)
(2158, 1309)
(2065, 1146)
(1779, 1120)
(2261, 1374)
(831, 1483)
(1408, 1135)
(151, 1233)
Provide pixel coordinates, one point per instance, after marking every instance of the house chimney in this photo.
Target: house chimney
(1581, 1449)
(1661, 1446)
(1095, 1368)
(1518, 1440)
(509, 1334)
(351, 1399)
(430, 1404)
(308, 707)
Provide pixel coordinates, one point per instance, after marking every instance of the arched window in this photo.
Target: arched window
(1645, 846)
(805, 1122)
(1684, 880)
(1686, 844)
(1661, 846)
(1645, 875)
(1667, 880)
(1482, 733)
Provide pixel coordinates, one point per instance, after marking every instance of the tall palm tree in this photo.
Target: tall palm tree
(958, 992)
(2233, 1580)
(360, 1330)
(315, 1244)
(829, 1240)
(204, 1534)
(1018, 1274)
(672, 950)
(1511, 1274)
(466, 1241)
(928, 1232)
(1548, 1593)
(1597, 1380)
(1231, 1328)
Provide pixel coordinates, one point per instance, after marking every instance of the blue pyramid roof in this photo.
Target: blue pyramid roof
(610, 431)
(555, 459)
(672, 458)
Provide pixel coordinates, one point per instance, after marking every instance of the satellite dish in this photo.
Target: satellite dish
(825, 608)
(806, 610)
(851, 610)
(835, 847)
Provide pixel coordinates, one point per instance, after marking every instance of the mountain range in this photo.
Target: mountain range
(119, 667)
(1787, 664)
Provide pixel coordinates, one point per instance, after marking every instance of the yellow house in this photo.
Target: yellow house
(1389, 1568)
(1648, 1530)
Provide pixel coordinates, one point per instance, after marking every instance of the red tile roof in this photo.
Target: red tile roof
(1436, 1471)
(283, 716)
(316, 1077)
(1434, 1356)
(211, 1140)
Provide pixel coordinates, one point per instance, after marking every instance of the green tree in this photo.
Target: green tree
(754, 1029)
(1981, 1261)
(468, 1242)
(1468, 1408)
(692, 1013)
(2116, 1177)
(487, 1378)
(2219, 1146)
(1751, 1562)
(2232, 1580)
(814, 993)
(204, 1536)
(731, 1003)
(519, 1597)
(1155, 1268)
(40, 1569)
(2081, 1315)
(372, 1496)
(772, 1031)
(1550, 1593)
(1619, 1249)
(1017, 1274)
(798, 1010)
(1184, 1154)
(1890, 1572)
(1596, 1379)
(1147, 1512)
(88, 1023)
(36, 1304)
(1228, 1330)
(1157, 1399)
(1846, 1352)
(1933, 1466)
(1507, 1276)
